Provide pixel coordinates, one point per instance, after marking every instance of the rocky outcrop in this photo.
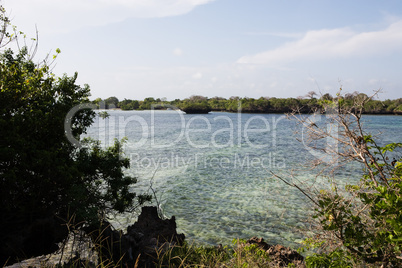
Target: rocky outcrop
(142, 243)
(146, 240)
(279, 255)
(151, 235)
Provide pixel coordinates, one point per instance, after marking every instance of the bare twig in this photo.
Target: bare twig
(296, 186)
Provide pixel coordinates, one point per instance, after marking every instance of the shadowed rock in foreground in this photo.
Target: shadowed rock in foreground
(144, 239)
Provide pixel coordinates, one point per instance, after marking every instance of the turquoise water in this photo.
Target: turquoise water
(213, 172)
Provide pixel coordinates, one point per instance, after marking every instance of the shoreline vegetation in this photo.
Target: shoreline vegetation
(52, 189)
(202, 105)
(153, 241)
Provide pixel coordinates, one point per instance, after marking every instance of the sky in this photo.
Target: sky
(249, 48)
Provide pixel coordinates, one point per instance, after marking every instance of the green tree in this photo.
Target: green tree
(232, 104)
(217, 103)
(146, 104)
(327, 96)
(263, 104)
(129, 104)
(195, 104)
(98, 102)
(44, 179)
(112, 102)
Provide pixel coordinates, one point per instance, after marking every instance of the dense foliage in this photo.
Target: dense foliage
(360, 223)
(45, 181)
(304, 104)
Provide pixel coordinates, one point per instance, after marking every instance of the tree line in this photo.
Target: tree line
(304, 104)
(49, 186)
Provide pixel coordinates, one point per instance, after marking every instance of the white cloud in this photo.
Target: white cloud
(177, 52)
(333, 43)
(277, 34)
(62, 15)
(197, 75)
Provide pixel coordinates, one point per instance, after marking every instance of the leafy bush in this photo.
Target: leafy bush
(44, 179)
(362, 222)
(337, 258)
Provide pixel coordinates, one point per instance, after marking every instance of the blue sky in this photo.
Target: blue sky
(177, 48)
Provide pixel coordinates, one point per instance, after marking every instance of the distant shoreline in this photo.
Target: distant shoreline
(264, 105)
(243, 112)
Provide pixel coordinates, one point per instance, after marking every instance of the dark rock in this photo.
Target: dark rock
(280, 255)
(259, 242)
(151, 234)
(144, 240)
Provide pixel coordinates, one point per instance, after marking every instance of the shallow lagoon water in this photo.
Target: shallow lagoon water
(213, 172)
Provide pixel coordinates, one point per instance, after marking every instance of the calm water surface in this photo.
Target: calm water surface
(213, 172)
